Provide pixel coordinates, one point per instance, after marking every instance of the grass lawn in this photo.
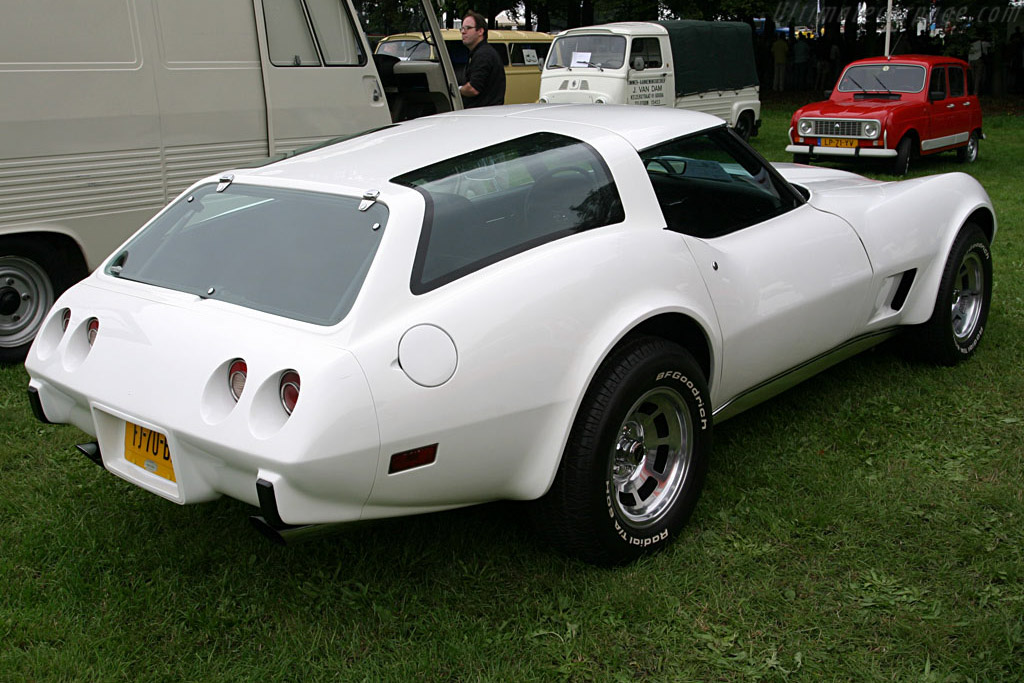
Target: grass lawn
(866, 525)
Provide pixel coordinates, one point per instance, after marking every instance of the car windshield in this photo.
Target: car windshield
(883, 77)
(601, 51)
(407, 49)
(301, 255)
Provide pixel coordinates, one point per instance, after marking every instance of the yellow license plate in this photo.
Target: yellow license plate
(148, 450)
(838, 142)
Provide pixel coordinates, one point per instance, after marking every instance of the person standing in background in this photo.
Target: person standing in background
(485, 74)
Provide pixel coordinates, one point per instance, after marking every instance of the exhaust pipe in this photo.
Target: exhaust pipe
(287, 534)
(91, 450)
(270, 524)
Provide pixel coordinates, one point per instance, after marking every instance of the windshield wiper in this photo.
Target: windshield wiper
(879, 81)
(862, 88)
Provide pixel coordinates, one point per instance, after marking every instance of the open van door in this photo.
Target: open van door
(320, 75)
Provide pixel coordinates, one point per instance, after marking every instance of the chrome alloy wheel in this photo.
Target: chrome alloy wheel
(25, 296)
(968, 297)
(651, 457)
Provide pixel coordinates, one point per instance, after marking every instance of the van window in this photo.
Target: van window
(335, 33)
(493, 203)
(607, 52)
(288, 37)
(649, 49)
(529, 54)
(291, 43)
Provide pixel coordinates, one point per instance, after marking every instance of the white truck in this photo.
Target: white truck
(706, 66)
(110, 108)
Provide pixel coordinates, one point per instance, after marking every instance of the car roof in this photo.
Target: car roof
(620, 28)
(370, 160)
(918, 60)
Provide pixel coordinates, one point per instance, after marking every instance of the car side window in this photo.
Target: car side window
(937, 84)
(710, 184)
(529, 54)
(956, 82)
(492, 203)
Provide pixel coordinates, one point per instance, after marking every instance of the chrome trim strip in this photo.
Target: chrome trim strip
(790, 378)
(946, 141)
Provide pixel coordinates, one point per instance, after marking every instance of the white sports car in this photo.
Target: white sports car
(541, 303)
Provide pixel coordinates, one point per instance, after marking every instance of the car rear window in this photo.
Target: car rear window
(490, 204)
(300, 255)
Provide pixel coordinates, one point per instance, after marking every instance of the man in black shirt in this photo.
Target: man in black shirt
(485, 74)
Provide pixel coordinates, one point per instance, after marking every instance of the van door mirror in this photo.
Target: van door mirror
(638, 63)
(937, 95)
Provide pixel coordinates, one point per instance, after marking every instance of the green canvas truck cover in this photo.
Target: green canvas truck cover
(711, 55)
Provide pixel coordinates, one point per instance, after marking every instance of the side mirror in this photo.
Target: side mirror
(936, 95)
(637, 64)
(828, 93)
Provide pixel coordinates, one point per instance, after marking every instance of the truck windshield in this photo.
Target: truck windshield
(603, 51)
(883, 77)
(300, 255)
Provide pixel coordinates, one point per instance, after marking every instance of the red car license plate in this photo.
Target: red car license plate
(838, 142)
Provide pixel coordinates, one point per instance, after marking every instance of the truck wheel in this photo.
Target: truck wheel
(636, 458)
(968, 154)
(901, 164)
(745, 125)
(958, 322)
(31, 278)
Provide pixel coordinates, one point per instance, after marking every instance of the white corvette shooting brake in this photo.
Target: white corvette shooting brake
(547, 303)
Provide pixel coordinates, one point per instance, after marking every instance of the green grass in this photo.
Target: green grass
(866, 525)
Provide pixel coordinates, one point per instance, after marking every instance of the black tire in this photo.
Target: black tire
(968, 154)
(32, 276)
(957, 324)
(901, 164)
(801, 158)
(636, 458)
(745, 125)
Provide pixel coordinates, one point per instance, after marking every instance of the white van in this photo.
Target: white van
(110, 108)
(706, 66)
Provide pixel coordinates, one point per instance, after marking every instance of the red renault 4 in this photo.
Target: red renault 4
(892, 108)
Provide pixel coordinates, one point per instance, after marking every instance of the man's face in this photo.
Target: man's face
(471, 33)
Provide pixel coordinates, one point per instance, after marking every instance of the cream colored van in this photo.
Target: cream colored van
(110, 108)
(522, 52)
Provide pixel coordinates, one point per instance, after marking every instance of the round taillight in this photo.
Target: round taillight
(92, 330)
(289, 390)
(65, 319)
(237, 372)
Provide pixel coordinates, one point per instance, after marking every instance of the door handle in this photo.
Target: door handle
(950, 106)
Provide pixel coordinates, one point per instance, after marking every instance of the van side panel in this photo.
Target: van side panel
(316, 94)
(80, 121)
(209, 87)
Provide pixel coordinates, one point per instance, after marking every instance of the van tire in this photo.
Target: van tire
(33, 273)
(745, 125)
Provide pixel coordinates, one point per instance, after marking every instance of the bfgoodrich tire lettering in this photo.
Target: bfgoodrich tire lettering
(961, 306)
(636, 459)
